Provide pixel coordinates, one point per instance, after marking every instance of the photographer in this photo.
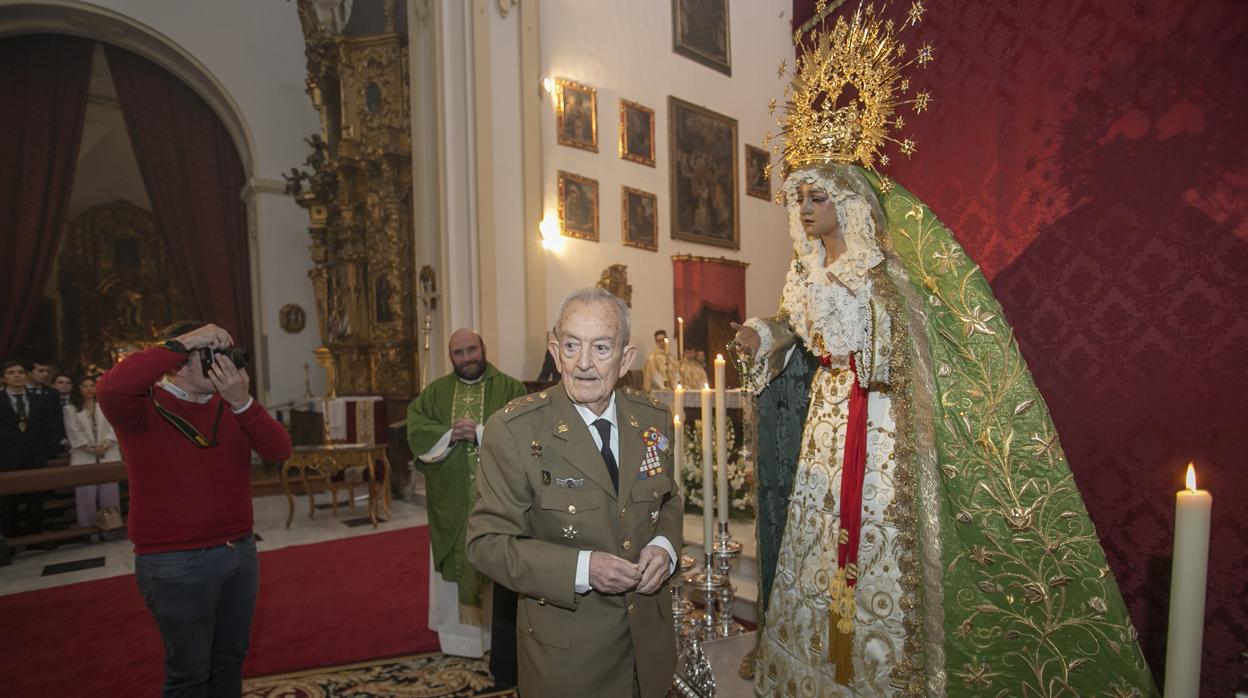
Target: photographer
(187, 429)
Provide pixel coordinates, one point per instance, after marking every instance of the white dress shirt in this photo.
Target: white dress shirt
(186, 397)
(581, 585)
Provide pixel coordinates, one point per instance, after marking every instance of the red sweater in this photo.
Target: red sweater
(183, 497)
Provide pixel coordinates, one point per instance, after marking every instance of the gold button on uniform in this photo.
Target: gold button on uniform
(571, 508)
(530, 631)
(541, 602)
(622, 512)
(631, 608)
(627, 545)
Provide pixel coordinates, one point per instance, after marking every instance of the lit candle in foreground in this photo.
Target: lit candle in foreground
(708, 481)
(721, 436)
(1187, 589)
(680, 337)
(678, 450)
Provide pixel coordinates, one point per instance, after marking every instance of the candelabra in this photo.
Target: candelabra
(725, 551)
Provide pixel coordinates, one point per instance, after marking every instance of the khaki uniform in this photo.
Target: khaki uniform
(545, 495)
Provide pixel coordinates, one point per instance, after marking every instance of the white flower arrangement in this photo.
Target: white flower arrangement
(740, 474)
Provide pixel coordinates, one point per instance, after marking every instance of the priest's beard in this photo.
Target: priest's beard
(470, 369)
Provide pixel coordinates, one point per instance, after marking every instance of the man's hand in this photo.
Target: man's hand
(747, 338)
(206, 336)
(231, 382)
(652, 565)
(609, 574)
(464, 429)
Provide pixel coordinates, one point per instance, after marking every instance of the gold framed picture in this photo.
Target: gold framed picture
(757, 172)
(576, 115)
(702, 160)
(578, 206)
(639, 218)
(636, 133)
(700, 33)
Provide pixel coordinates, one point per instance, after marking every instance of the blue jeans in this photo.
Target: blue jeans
(203, 601)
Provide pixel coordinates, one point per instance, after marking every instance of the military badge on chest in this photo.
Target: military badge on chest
(656, 443)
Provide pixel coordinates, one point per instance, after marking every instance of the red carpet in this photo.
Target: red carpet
(320, 605)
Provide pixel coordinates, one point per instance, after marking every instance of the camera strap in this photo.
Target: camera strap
(185, 427)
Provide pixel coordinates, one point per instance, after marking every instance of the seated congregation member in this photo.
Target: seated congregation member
(28, 437)
(91, 440)
(577, 513)
(185, 421)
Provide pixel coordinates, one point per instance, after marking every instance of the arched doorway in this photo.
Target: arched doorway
(194, 158)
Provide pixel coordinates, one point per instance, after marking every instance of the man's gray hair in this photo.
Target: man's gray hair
(599, 295)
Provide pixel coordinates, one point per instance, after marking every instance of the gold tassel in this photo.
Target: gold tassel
(841, 625)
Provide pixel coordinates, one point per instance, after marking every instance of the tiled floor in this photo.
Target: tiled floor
(28, 569)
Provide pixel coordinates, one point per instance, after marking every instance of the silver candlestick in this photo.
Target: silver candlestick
(725, 551)
(705, 623)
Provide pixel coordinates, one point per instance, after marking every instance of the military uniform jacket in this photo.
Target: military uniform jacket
(545, 495)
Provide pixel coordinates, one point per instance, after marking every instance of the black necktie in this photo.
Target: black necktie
(21, 405)
(604, 430)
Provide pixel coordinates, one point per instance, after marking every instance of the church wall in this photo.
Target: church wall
(624, 50)
(255, 52)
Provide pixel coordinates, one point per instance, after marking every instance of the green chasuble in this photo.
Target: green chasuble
(450, 484)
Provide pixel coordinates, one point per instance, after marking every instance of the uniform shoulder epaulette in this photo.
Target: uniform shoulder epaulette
(524, 403)
(643, 398)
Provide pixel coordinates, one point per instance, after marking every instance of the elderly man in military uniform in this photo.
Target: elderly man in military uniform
(577, 512)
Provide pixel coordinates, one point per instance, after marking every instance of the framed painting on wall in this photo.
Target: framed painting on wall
(757, 172)
(703, 153)
(700, 32)
(640, 224)
(576, 115)
(636, 132)
(578, 206)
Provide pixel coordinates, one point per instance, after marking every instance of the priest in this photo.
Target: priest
(444, 428)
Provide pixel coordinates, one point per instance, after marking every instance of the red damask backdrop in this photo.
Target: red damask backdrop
(1093, 158)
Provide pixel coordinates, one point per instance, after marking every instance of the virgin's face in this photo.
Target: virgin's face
(817, 211)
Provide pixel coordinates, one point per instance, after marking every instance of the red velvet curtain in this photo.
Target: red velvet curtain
(43, 99)
(1093, 158)
(713, 283)
(195, 178)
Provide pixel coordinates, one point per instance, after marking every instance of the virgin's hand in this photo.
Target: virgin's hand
(747, 338)
(230, 381)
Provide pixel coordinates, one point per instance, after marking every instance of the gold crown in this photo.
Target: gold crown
(845, 89)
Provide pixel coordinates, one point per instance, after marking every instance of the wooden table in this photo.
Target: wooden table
(331, 460)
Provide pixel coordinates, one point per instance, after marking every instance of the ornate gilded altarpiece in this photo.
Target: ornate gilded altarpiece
(115, 285)
(358, 197)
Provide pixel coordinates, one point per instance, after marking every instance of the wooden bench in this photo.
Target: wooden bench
(56, 475)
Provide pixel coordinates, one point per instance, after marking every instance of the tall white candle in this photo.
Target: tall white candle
(1187, 589)
(680, 337)
(708, 481)
(678, 450)
(721, 436)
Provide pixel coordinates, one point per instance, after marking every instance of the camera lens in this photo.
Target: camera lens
(241, 357)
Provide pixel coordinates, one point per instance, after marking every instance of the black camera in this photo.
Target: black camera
(239, 356)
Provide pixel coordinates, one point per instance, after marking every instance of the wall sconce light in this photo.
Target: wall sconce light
(552, 241)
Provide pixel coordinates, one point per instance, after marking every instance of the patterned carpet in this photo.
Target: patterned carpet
(420, 676)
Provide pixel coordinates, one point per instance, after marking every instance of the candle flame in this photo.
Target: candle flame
(719, 357)
(706, 386)
(676, 419)
(1191, 478)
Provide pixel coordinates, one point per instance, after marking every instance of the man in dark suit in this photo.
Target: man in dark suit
(27, 438)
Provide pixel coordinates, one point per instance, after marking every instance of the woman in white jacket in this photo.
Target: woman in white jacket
(91, 440)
